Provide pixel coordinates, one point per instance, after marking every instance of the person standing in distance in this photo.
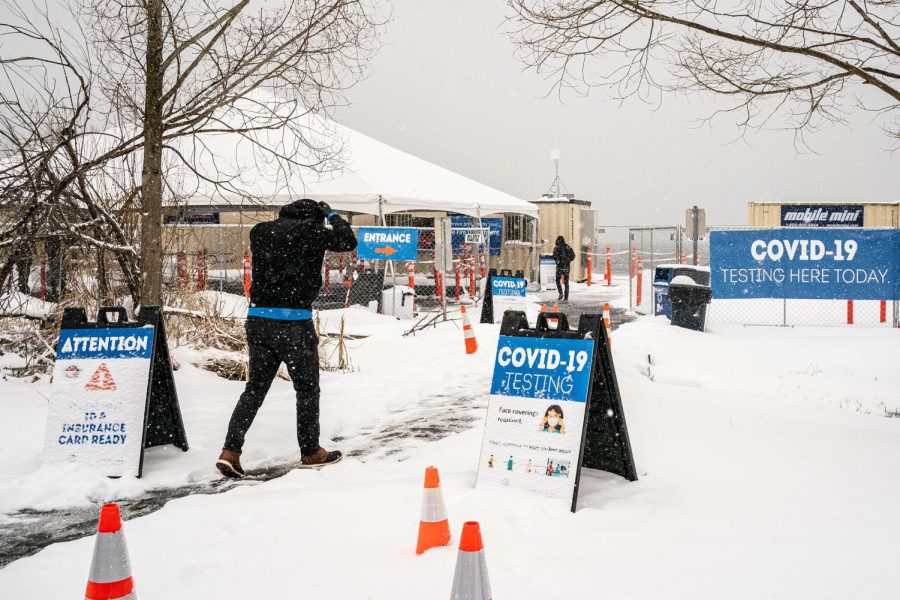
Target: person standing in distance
(563, 255)
(287, 274)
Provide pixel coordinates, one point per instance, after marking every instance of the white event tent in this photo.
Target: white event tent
(372, 177)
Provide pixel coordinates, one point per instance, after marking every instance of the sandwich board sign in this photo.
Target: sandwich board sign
(507, 293)
(113, 393)
(387, 243)
(554, 408)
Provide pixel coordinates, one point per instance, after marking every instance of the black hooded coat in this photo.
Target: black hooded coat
(288, 254)
(563, 255)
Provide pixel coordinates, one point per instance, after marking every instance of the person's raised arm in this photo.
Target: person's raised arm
(341, 237)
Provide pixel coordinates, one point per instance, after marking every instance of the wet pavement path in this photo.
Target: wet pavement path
(578, 305)
(398, 436)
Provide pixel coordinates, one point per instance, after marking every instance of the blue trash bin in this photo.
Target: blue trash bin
(661, 278)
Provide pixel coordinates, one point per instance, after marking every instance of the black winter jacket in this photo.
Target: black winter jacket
(288, 254)
(563, 255)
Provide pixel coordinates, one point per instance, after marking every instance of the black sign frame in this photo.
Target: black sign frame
(605, 443)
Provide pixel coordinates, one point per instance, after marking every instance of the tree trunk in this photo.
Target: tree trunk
(151, 172)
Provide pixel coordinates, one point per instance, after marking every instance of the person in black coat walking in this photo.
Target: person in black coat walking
(287, 274)
(563, 255)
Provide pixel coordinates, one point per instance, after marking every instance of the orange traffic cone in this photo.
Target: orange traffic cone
(110, 577)
(606, 324)
(434, 529)
(468, 332)
(555, 322)
(470, 581)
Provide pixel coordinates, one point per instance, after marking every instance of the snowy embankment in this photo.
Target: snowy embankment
(767, 469)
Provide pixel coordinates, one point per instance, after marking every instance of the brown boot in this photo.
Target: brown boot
(320, 458)
(229, 464)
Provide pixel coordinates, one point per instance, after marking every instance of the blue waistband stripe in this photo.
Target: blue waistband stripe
(281, 314)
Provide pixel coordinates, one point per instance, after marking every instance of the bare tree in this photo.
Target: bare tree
(800, 59)
(149, 84)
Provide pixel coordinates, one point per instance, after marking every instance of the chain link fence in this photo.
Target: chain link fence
(212, 257)
(635, 253)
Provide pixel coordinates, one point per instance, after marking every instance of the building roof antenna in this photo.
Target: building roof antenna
(556, 188)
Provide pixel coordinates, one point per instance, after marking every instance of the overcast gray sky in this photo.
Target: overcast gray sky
(445, 87)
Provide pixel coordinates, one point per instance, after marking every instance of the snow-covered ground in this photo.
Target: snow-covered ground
(767, 470)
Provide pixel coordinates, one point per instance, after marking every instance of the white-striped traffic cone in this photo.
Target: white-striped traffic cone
(434, 528)
(110, 577)
(468, 332)
(606, 324)
(470, 581)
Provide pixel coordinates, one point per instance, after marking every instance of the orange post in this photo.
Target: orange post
(589, 266)
(456, 289)
(327, 276)
(608, 266)
(472, 279)
(633, 260)
(882, 316)
(849, 312)
(640, 279)
(201, 270)
(248, 268)
(411, 275)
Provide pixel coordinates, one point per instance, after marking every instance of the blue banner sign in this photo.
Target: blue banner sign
(821, 215)
(543, 368)
(105, 343)
(387, 243)
(463, 224)
(849, 264)
(508, 286)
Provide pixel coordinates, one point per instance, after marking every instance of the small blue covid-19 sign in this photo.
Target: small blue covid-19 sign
(508, 286)
(812, 263)
(387, 243)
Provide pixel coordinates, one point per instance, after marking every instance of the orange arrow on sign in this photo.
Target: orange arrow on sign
(387, 250)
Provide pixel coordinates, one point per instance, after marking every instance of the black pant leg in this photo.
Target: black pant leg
(301, 355)
(566, 296)
(559, 275)
(262, 338)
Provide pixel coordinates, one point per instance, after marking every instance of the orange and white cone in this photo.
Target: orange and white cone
(110, 577)
(470, 581)
(606, 323)
(468, 332)
(434, 528)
